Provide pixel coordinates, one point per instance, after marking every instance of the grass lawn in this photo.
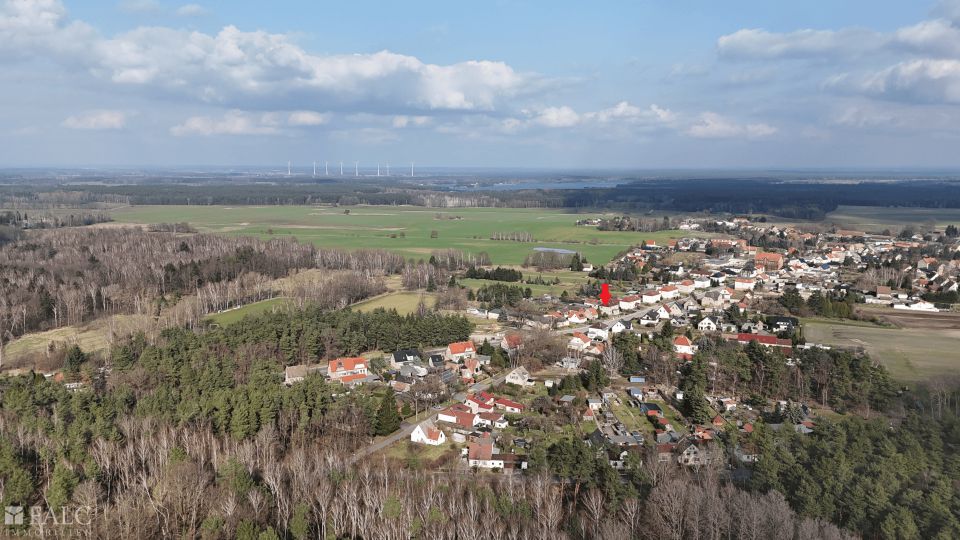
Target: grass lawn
(911, 354)
(632, 418)
(403, 302)
(374, 226)
(256, 308)
(404, 450)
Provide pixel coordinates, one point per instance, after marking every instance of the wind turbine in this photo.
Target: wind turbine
(356, 168)
(314, 169)
(378, 169)
(288, 168)
(411, 169)
(326, 168)
(341, 168)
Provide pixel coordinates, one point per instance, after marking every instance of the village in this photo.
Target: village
(562, 372)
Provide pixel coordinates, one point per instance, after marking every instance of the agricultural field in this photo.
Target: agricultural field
(405, 230)
(874, 218)
(911, 354)
(404, 302)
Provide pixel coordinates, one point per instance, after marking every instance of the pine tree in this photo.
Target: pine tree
(388, 419)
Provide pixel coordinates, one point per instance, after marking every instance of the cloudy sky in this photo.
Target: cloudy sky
(638, 83)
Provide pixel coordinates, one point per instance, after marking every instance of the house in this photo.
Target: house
(470, 368)
(695, 454)
(459, 415)
(511, 343)
(427, 433)
(569, 363)
(480, 453)
(771, 262)
(492, 419)
(520, 377)
(403, 357)
(651, 409)
(629, 302)
(477, 404)
(650, 296)
(460, 351)
(707, 324)
(598, 330)
(295, 374)
(347, 368)
(509, 405)
(668, 292)
(744, 284)
(683, 346)
(619, 326)
(595, 403)
(578, 342)
(765, 340)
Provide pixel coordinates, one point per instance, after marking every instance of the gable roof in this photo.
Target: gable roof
(461, 347)
(347, 364)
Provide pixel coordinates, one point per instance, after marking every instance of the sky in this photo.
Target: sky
(562, 84)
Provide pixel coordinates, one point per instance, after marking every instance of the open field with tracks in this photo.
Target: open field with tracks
(405, 230)
(876, 218)
(911, 353)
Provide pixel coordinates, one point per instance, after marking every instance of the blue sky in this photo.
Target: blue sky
(641, 84)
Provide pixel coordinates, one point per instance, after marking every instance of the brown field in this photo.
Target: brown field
(949, 320)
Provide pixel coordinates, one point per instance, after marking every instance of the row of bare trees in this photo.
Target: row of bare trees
(161, 481)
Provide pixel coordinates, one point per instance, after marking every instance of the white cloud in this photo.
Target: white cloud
(402, 121)
(191, 10)
(307, 118)
(557, 117)
(759, 44)
(233, 122)
(713, 126)
(96, 120)
(256, 69)
(936, 37)
(625, 112)
(924, 81)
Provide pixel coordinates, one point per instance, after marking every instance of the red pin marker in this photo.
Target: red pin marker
(605, 294)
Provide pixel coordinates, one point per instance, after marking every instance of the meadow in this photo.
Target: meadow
(405, 230)
(911, 354)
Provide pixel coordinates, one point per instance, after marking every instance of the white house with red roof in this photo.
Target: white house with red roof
(427, 433)
(629, 302)
(579, 341)
(492, 419)
(744, 284)
(509, 405)
(683, 346)
(686, 286)
(650, 296)
(346, 369)
(669, 292)
(459, 415)
(460, 351)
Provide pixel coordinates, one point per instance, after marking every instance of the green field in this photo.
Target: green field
(875, 218)
(256, 308)
(403, 302)
(911, 354)
(403, 229)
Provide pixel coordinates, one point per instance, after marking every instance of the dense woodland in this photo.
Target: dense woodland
(791, 198)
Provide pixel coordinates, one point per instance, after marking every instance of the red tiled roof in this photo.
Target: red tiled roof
(461, 347)
(682, 341)
(504, 402)
(347, 364)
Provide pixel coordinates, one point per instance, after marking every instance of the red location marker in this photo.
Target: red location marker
(605, 294)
